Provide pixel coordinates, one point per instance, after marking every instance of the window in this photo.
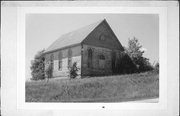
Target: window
(102, 37)
(101, 61)
(101, 57)
(69, 58)
(60, 61)
(69, 62)
(52, 60)
(60, 65)
(89, 58)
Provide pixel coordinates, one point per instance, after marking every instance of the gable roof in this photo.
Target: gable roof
(72, 38)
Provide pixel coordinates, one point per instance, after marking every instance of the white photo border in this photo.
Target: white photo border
(22, 11)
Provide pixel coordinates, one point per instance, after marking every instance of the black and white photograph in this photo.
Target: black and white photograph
(92, 57)
(89, 58)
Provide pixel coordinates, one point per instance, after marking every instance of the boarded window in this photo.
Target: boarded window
(89, 58)
(69, 62)
(60, 61)
(69, 58)
(52, 60)
(101, 61)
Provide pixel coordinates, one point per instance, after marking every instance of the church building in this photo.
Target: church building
(95, 48)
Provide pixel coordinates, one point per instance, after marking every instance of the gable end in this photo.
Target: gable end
(103, 36)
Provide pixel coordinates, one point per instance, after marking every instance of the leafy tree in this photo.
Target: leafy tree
(135, 51)
(37, 66)
(73, 71)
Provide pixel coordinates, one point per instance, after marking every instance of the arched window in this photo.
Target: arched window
(102, 37)
(90, 52)
(69, 57)
(60, 60)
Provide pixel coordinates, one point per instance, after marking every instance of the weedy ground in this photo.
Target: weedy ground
(115, 88)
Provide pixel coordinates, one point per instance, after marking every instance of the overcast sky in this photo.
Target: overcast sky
(43, 29)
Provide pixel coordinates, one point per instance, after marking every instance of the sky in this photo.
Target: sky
(43, 29)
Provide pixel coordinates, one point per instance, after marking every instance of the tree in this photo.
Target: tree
(37, 66)
(73, 71)
(135, 52)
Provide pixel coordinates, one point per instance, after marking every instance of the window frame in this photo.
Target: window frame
(60, 61)
(69, 57)
(101, 58)
(52, 60)
(90, 57)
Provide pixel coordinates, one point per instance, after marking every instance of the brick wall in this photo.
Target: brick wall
(96, 68)
(102, 36)
(63, 72)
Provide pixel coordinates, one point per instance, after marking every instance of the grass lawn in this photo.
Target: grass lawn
(95, 89)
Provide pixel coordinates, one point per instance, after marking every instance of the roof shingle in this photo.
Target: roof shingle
(72, 38)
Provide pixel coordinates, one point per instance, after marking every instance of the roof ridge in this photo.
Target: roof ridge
(75, 36)
(83, 27)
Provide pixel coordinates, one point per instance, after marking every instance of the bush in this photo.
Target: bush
(144, 64)
(73, 71)
(125, 65)
(37, 66)
(156, 67)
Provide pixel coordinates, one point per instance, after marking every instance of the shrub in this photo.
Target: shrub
(37, 66)
(156, 67)
(125, 65)
(73, 71)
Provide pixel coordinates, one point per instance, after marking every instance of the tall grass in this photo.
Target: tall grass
(95, 89)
